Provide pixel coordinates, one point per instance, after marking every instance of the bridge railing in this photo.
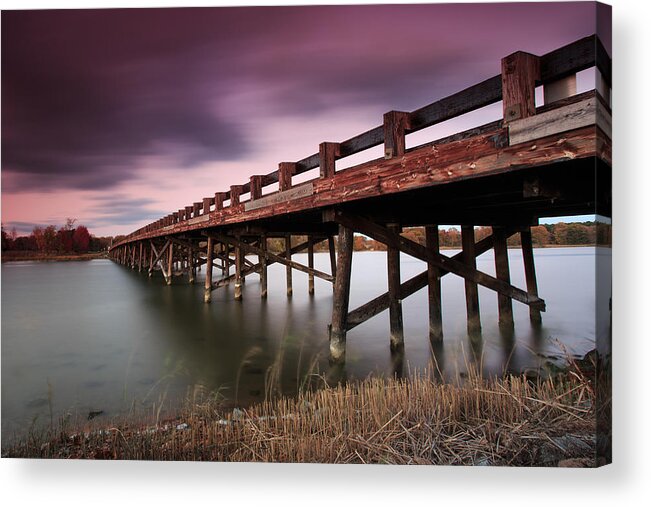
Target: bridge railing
(515, 87)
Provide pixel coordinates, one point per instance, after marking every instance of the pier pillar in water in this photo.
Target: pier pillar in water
(341, 296)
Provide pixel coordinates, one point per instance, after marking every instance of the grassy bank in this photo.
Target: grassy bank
(14, 256)
(510, 421)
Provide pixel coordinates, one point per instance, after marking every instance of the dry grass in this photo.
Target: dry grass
(508, 421)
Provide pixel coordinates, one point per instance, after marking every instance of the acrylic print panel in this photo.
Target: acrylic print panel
(331, 234)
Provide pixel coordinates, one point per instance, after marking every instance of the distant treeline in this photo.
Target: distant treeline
(559, 234)
(51, 240)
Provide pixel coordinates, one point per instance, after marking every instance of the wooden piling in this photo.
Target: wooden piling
(341, 295)
(530, 272)
(170, 263)
(310, 264)
(333, 258)
(397, 337)
(140, 258)
(263, 267)
(434, 286)
(288, 268)
(505, 304)
(472, 294)
(192, 270)
(238, 273)
(207, 290)
(151, 261)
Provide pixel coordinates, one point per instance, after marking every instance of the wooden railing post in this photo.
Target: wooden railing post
(207, 201)
(520, 71)
(188, 212)
(285, 172)
(328, 153)
(396, 123)
(220, 197)
(256, 187)
(236, 191)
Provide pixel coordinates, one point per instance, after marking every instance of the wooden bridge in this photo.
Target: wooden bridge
(550, 160)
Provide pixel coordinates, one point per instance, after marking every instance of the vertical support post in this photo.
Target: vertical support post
(434, 286)
(328, 153)
(256, 187)
(505, 304)
(238, 272)
(520, 71)
(207, 201)
(310, 264)
(220, 197)
(333, 259)
(151, 259)
(196, 207)
(288, 268)
(140, 258)
(395, 303)
(207, 288)
(170, 261)
(395, 125)
(188, 212)
(472, 294)
(263, 267)
(285, 172)
(341, 295)
(192, 270)
(530, 271)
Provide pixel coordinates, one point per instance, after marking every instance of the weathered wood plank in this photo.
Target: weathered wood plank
(520, 71)
(573, 116)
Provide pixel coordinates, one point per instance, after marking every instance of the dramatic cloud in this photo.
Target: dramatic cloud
(91, 97)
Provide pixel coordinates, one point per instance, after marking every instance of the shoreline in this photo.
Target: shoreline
(501, 422)
(22, 257)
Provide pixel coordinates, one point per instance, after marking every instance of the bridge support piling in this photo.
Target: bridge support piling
(397, 337)
(170, 263)
(333, 259)
(140, 257)
(192, 272)
(238, 273)
(207, 290)
(262, 259)
(434, 286)
(288, 268)
(505, 304)
(472, 294)
(341, 295)
(310, 263)
(530, 272)
(151, 260)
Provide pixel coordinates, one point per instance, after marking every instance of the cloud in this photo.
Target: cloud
(89, 95)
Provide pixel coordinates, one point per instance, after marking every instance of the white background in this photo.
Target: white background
(626, 482)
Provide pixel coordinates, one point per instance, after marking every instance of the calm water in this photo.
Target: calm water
(82, 336)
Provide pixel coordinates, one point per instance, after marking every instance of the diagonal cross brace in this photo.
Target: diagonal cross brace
(271, 256)
(384, 235)
(379, 304)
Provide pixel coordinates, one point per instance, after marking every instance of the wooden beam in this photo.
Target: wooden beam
(333, 257)
(262, 259)
(396, 124)
(208, 283)
(382, 234)
(328, 154)
(381, 303)
(285, 172)
(434, 286)
(530, 271)
(502, 271)
(170, 260)
(288, 266)
(238, 271)
(397, 335)
(310, 264)
(271, 257)
(341, 296)
(520, 71)
(472, 294)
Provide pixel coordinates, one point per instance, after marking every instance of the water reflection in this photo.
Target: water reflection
(104, 336)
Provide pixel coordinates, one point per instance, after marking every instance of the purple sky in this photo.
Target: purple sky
(117, 117)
